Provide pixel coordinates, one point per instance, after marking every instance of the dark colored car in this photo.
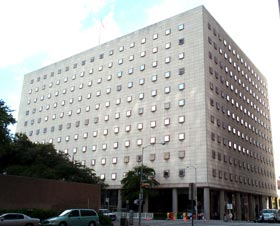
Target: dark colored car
(74, 217)
(18, 219)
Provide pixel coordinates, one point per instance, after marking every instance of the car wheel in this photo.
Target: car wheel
(62, 224)
(91, 224)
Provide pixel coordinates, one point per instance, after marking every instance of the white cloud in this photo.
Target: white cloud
(35, 26)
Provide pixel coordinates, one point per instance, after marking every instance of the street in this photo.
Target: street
(196, 223)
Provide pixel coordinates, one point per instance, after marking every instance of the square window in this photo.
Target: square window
(84, 148)
(121, 48)
(181, 56)
(126, 159)
(167, 89)
(139, 142)
(181, 86)
(167, 60)
(116, 130)
(152, 140)
(127, 128)
(181, 172)
(154, 93)
(140, 126)
(131, 57)
(153, 124)
(181, 154)
(167, 121)
(181, 27)
(166, 138)
(155, 49)
(166, 173)
(143, 53)
(142, 67)
(181, 102)
(181, 71)
(181, 136)
(154, 108)
(167, 105)
(103, 161)
(141, 96)
(117, 115)
(181, 41)
(168, 45)
(129, 98)
(93, 161)
(141, 81)
(155, 36)
(127, 143)
(167, 74)
(128, 113)
(114, 160)
(143, 40)
(104, 146)
(166, 155)
(152, 157)
(168, 31)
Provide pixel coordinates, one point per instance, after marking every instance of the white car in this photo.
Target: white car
(18, 219)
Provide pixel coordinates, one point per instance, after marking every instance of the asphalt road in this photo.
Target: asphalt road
(196, 223)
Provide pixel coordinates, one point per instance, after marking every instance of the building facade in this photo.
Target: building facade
(182, 81)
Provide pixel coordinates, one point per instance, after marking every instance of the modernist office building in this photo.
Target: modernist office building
(182, 81)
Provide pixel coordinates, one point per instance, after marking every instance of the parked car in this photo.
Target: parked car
(74, 217)
(18, 219)
(108, 213)
(269, 215)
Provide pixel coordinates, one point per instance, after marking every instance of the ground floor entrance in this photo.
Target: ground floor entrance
(208, 202)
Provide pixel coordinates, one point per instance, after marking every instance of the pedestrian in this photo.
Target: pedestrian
(230, 216)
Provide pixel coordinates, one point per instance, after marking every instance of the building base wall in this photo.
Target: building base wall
(25, 192)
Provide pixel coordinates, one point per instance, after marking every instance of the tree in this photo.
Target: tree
(131, 183)
(6, 118)
(25, 158)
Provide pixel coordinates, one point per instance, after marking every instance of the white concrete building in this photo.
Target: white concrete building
(182, 81)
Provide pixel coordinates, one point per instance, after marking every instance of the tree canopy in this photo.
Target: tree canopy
(131, 183)
(6, 119)
(19, 156)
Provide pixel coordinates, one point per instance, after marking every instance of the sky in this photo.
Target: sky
(36, 33)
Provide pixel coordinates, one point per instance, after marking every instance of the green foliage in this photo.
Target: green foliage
(131, 183)
(19, 156)
(6, 118)
(104, 220)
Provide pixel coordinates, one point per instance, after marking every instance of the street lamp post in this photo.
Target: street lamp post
(192, 166)
(141, 180)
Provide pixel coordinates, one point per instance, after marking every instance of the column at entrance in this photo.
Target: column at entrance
(206, 202)
(251, 206)
(238, 207)
(146, 205)
(174, 200)
(119, 205)
(222, 204)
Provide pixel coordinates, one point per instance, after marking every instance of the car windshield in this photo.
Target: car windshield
(267, 211)
(65, 212)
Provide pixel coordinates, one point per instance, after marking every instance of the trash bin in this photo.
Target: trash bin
(130, 217)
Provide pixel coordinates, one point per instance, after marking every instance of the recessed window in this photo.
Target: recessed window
(142, 67)
(140, 126)
(103, 161)
(167, 74)
(155, 36)
(181, 86)
(143, 53)
(167, 60)
(131, 57)
(141, 81)
(181, 102)
(114, 160)
(181, 56)
(104, 147)
(168, 45)
(154, 93)
(153, 124)
(167, 121)
(143, 40)
(181, 41)
(181, 27)
(166, 138)
(167, 89)
(127, 143)
(168, 32)
(141, 96)
(181, 136)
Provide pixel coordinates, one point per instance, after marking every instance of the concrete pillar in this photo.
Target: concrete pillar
(119, 206)
(238, 207)
(206, 202)
(174, 200)
(251, 207)
(222, 204)
(146, 205)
